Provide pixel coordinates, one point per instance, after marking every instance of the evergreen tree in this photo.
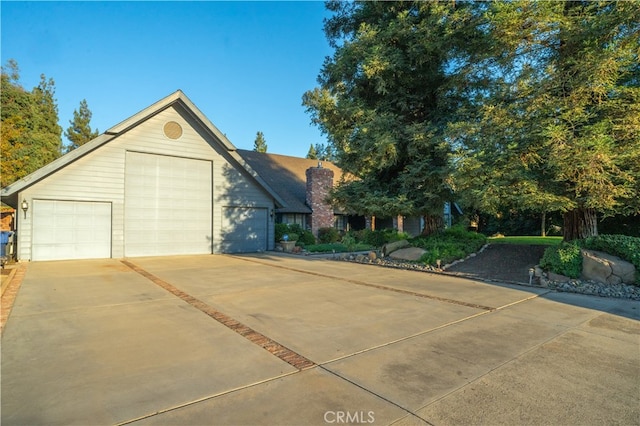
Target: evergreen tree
(383, 102)
(80, 131)
(312, 154)
(30, 134)
(260, 144)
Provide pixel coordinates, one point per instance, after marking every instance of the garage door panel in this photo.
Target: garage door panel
(71, 230)
(163, 197)
(244, 229)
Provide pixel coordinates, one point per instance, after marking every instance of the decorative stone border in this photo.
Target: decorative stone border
(541, 278)
(573, 285)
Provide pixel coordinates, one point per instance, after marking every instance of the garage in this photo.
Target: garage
(71, 230)
(167, 205)
(244, 229)
(162, 182)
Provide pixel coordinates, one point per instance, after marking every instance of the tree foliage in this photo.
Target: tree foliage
(321, 152)
(30, 134)
(260, 144)
(382, 101)
(555, 119)
(79, 132)
(520, 104)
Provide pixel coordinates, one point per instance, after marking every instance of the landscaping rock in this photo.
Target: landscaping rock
(372, 256)
(410, 253)
(605, 268)
(389, 248)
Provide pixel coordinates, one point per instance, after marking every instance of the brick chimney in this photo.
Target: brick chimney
(319, 183)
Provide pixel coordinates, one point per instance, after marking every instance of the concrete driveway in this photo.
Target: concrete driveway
(267, 339)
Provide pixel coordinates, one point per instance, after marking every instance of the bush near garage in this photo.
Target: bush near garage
(304, 236)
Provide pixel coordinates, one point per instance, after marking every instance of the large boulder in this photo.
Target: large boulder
(409, 253)
(606, 268)
(389, 248)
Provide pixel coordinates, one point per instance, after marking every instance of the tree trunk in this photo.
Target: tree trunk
(579, 224)
(544, 224)
(432, 224)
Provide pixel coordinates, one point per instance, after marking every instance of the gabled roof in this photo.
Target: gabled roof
(287, 176)
(10, 193)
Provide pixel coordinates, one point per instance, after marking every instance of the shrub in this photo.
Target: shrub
(307, 238)
(336, 247)
(451, 244)
(294, 231)
(328, 235)
(378, 238)
(292, 236)
(279, 231)
(374, 238)
(349, 242)
(564, 259)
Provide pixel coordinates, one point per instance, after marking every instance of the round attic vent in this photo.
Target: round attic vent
(172, 130)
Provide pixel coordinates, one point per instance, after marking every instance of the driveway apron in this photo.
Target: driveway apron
(268, 339)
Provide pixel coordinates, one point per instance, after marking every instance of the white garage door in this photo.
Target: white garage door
(71, 230)
(167, 205)
(244, 229)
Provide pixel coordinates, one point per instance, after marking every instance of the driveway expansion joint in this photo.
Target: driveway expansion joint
(285, 354)
(376, 286)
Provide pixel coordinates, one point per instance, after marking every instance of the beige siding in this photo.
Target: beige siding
(99, 176)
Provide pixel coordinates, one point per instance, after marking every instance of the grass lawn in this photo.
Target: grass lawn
(530, 240)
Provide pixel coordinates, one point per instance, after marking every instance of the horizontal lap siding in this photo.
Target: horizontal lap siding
(99, 176)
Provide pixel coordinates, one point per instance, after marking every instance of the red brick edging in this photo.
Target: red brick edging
(10, 294)
(275, 348)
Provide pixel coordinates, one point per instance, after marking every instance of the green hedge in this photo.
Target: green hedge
(378, 238)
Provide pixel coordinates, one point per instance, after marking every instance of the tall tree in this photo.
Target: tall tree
(79, 132)
(30, 134)
(260, 144)
(556, 125)
(321, 152)
(383, 102)
(312, 154)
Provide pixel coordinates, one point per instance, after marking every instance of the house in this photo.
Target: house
(165, 181)
(304, 185)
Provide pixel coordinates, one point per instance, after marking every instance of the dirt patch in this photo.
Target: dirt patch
(501, 262)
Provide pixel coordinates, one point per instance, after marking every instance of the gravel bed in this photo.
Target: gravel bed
(621, 291)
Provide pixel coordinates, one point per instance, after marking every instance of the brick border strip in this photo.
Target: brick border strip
(10, 294)
(287, 355)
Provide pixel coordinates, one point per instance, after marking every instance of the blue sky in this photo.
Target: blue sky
(246, 65)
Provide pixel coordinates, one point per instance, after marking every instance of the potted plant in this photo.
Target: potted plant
(288, 241)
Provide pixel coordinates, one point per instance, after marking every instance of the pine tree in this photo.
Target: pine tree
(260, 144)
(312, 154)
(79, 132)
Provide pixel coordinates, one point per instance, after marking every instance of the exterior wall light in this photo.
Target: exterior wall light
(25, 207)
